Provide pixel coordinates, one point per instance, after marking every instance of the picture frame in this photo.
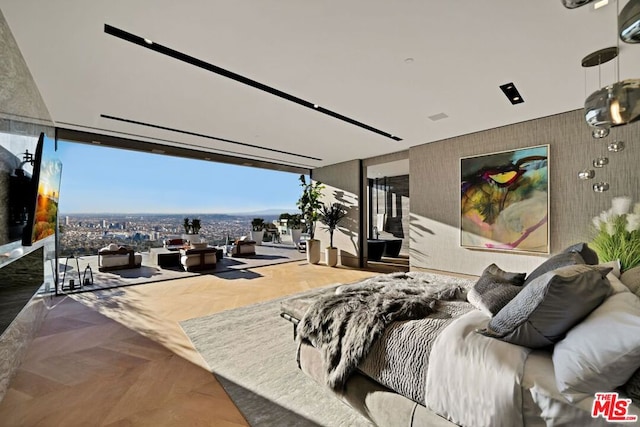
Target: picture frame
(504, 201)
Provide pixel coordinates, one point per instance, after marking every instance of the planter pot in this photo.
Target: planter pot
(331, 255)
(313, 251)
(191, 238)
(257, 236)
(295, 235)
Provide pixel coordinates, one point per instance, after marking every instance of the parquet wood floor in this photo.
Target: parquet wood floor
(119, 357)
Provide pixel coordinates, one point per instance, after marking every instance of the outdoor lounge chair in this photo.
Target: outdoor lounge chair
(114, 257)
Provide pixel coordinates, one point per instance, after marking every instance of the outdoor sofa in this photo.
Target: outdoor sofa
(114, 257)
(510, 350)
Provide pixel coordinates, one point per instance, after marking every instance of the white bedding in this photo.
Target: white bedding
(478, 381)
(474, 380)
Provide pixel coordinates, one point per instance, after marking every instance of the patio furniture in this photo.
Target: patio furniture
(243, 247)
(163, 257)
(198, 257)
(114, 257)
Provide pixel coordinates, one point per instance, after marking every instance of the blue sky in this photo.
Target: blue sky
(98, 179)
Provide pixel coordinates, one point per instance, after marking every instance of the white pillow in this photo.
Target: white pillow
(616, 284)
(602, 352)
(113, 247)
(615, 264)
(631, 278)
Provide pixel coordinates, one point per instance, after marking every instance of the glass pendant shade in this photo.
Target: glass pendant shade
(615, 146)
(600, 187)
(629, 22)
(586, 174)
(614, 105)
(572, 4)
(599, 132)
(600, 162)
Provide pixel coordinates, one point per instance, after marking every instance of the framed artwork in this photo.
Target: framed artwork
(504, 202)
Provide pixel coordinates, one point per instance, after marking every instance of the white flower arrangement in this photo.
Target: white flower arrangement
(617, 233)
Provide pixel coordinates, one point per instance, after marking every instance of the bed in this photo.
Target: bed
(465, 363)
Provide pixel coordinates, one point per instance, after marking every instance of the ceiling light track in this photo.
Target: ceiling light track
(146, 43)
(201, 135)
(183, 145)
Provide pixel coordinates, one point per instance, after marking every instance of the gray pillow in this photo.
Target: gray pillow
(549, 306)
(632, 387)
(494, 289)
(516, 278)
(602, 352)
(631, 278)
(588, 255)
(553, 263)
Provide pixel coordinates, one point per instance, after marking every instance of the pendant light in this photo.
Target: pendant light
(616, 104)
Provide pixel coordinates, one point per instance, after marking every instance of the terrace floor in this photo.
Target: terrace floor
(118, 357)
(266, 254)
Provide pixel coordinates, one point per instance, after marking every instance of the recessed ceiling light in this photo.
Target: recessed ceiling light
(408, 60)
(315, 105)
(512, 93)
(147, 41)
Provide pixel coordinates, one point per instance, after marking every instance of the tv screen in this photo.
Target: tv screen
(45, 190)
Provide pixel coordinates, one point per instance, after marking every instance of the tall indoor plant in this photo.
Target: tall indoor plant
(309, 205)
(330, 216)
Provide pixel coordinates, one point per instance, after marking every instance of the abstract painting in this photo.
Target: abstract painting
(504, 201)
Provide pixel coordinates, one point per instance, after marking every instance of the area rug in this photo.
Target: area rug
(252, 353)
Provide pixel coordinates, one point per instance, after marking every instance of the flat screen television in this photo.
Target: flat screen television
(42, 212)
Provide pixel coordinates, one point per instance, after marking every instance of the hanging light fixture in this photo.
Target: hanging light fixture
(618, 103)
(629, 22)
(572, 4)
(601, 187)
(615, 146)
(600, 162)
(586, 174)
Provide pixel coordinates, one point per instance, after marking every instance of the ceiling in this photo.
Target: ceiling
(389, 65)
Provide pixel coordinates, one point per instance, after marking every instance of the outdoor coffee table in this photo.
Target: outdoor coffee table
(164, 258)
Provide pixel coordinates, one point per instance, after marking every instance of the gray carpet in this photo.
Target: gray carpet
(252, 353)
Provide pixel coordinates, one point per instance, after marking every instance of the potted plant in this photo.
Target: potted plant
(191, 230)
(309, 205)
(295, 225)
(257, 230)
(330, 216)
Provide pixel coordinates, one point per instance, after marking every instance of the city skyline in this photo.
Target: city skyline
(105, 180)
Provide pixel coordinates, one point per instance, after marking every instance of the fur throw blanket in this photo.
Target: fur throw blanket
(343, 325)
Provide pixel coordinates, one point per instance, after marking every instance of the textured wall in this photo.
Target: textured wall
(22, 113)
(435, 188)
(342, 184)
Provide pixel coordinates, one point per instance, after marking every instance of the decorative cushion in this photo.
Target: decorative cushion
(632, 387)
(554, 262)
(494, 289)
(113, 247)
(588, 255)
(615, 265)
(550, 305)
(201, 245)
(616, 285)
(175, 242)
(602, 352)
(631, 279)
